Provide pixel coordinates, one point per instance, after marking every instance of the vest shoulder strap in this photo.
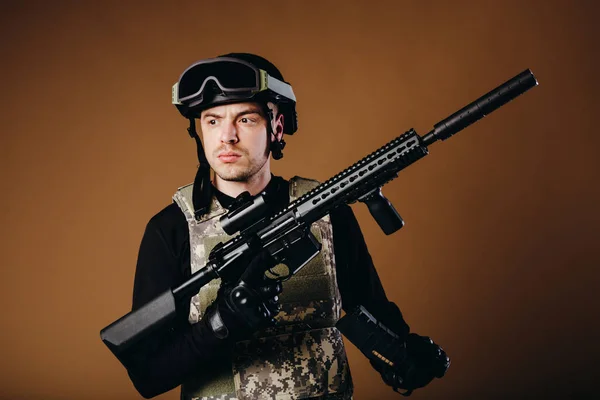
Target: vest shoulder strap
(300, 186)
(183, 198)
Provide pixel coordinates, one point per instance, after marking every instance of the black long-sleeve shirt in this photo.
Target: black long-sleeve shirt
(164, 262)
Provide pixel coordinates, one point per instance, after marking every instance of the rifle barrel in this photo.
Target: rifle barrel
(481, 107)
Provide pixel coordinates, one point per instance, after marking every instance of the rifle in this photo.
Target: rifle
(286, 234)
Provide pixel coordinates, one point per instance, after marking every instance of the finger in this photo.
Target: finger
(442, 365)
(271, 290)
(274, 305)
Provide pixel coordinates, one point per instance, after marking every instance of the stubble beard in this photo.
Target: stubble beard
(238, 173)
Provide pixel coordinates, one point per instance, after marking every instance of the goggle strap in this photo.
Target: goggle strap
(280, 87)
(175, 94)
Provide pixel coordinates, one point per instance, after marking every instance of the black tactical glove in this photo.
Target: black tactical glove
(246, 306)
(424, 361)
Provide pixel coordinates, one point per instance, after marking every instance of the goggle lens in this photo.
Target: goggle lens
(230, 75)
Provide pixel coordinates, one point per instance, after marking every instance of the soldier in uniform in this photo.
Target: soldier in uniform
(255, 339)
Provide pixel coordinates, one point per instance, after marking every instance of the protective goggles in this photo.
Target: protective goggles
(235, 78)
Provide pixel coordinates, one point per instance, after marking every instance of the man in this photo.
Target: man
(255, 338)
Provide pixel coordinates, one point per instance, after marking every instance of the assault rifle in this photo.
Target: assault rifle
(286, 234)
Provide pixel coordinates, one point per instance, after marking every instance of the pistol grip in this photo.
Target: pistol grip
(383, 211)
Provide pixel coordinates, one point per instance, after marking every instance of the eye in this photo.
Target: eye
(244, 120)
(212, 122)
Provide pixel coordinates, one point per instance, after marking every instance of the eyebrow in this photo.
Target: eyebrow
(243, 112)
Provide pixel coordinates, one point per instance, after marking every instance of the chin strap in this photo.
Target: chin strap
(277, 146)
(202, 192)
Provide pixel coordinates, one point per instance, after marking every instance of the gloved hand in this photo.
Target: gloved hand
(424, 361)
(246, 306)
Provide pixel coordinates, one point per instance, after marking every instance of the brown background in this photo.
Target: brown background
(497, 262)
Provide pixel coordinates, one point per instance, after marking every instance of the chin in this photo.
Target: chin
(233, 174)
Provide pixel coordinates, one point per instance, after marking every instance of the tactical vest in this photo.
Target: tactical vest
(303, 357)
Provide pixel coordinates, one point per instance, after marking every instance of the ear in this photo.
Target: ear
(277, 128)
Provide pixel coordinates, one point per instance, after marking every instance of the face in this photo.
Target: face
(235, 140)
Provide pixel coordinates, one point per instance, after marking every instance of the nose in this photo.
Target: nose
(229, 133)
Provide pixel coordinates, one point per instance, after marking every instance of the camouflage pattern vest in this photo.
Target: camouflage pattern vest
(303, 357)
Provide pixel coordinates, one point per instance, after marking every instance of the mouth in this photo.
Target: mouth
(229, 157)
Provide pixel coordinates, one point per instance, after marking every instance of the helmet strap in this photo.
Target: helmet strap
(276, 146)
(202, 190)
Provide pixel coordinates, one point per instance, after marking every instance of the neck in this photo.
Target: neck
(255, 184)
